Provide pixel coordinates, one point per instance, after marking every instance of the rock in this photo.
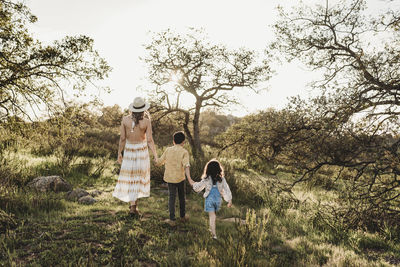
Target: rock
(88, 200)
(76, 194)
(50, 183)
(95, 193)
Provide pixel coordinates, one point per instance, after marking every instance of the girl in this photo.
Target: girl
(215, 185)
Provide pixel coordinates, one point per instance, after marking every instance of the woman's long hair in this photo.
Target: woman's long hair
(137, 116)
(214, 170)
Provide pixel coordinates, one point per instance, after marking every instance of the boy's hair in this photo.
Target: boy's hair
(179, 137)
(214, 169)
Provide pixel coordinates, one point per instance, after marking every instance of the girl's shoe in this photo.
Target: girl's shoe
(213, 236)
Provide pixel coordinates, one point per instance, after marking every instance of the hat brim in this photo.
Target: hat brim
(133, 109)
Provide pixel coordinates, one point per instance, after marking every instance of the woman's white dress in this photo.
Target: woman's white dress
(134, 177)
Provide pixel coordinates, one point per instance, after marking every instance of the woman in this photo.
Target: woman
(136, 136)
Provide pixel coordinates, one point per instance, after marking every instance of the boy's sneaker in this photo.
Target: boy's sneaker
(184, 219)
(171, 222)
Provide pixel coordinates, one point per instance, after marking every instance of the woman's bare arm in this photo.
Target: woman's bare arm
(150, 141)
(122, 141)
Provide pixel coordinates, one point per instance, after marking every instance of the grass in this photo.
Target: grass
(48, 230)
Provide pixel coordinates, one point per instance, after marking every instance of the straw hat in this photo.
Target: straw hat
(139, 105)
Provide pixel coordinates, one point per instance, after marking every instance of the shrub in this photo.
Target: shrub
(250, 241)
(250, 188)
(99, 142)
(367, 242)
(14, 170)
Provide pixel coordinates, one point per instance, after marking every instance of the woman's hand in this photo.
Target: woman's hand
(119, 160)
(229, 204)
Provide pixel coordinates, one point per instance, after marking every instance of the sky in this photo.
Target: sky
(121, 27)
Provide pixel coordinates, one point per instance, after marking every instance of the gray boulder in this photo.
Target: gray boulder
(88, 200)
(76, 194)
(95, 193)
(50, 183)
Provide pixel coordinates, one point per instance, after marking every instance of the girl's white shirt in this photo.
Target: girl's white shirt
(207, 184)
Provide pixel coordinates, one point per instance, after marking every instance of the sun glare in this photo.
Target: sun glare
(176, 77)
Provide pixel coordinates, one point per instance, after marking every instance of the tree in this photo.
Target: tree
(32, 74)
(212, 124)
(111, 116)
(353, 159)
(190, 65)
(359, 55)
(351, 129)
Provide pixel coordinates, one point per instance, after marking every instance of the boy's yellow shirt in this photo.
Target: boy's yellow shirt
(176, 159)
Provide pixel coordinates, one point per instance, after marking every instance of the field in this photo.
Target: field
(260, 229)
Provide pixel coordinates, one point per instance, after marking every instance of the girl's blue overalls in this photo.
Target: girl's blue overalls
(213, 200)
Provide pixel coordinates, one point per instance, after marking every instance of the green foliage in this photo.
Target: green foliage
(367, 242)
(353, 124)
(65, 143)
(247, 245)
(250, 187)
(353, 159)
(74, 133)
(13, 169)
(262, 139)
(326, 37)
(391, 233)
(212, 124)
(97, 142)
(111, 116)
(32, 73)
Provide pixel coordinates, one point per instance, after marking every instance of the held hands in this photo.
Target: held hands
(191, 182)
(156, 160)
(229, 204)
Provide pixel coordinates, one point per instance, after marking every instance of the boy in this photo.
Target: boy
(176, 160)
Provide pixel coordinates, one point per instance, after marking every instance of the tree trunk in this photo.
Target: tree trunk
(196, 132)
(189, 134)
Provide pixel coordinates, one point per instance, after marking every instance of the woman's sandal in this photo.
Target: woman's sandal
(133, 210)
